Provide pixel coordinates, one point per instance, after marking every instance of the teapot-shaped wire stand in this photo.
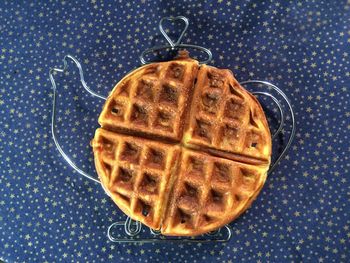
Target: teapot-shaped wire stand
(132, 231)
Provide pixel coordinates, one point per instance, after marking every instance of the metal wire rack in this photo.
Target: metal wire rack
(133, 231)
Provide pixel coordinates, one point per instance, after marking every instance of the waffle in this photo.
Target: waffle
(210, 192)
(183, 148)
(226, 119)
(152, 99)
(136, 173)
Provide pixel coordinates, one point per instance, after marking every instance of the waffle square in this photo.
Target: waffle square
(136, 173)
(209, 192)
(225, 117)
(153, 101)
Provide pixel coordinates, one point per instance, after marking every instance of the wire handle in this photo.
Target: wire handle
(53, 115)
(282, 116)
(177, 44)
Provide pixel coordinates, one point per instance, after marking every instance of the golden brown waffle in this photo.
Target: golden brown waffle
(192, 169)
(152, 99)
(224, 116)
(210, 192)
(136, 173)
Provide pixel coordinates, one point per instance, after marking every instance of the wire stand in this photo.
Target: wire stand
(132, 231)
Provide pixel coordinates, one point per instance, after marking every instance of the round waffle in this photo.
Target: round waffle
(182, 147)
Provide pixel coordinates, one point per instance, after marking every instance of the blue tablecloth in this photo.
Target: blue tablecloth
(48, 213)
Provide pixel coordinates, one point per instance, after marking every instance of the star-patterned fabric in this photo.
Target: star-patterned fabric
(49, 213)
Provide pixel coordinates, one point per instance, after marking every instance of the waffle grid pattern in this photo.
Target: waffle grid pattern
(207, 190)
(137, 172)
(222, 117)
(165, 182)
(153, 102)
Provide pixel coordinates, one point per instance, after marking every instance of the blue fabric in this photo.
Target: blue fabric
(48, 213)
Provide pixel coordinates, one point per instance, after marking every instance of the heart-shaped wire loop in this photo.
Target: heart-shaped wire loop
(177, 44)
(173, 19)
